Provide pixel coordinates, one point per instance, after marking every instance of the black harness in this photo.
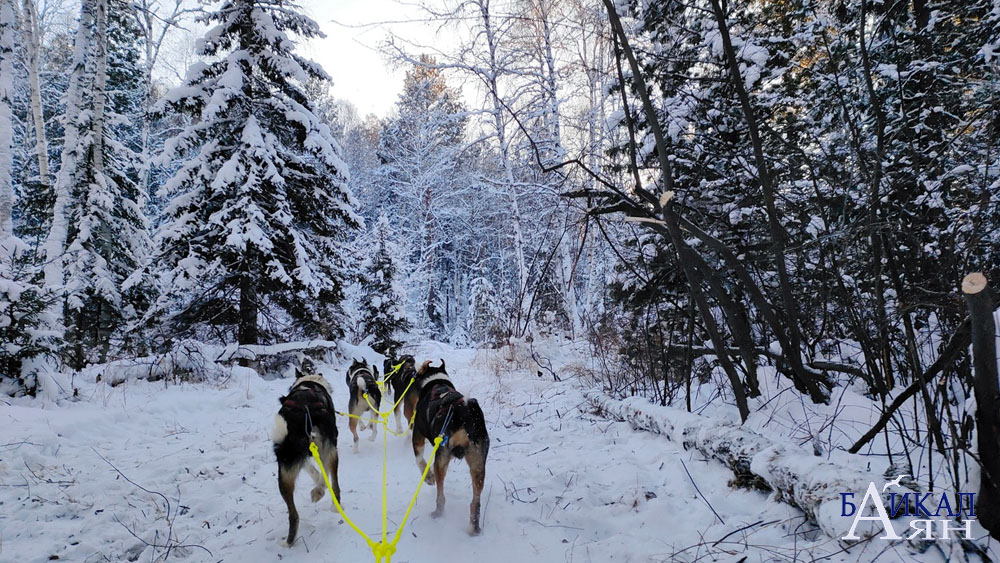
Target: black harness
(441, 398)
(308, 396)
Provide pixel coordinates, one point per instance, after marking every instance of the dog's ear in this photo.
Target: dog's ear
(424, 367)
(442, 365)
(375, 369)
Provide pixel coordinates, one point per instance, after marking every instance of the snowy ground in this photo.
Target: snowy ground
(194, 468)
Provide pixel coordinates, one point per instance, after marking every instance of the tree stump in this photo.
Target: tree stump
(979, 299)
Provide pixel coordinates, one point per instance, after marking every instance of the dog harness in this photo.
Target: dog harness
(365, 374)
(442, 397)
(308, 396)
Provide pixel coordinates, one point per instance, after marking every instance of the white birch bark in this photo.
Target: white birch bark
(796, 476)
(7, 23)
(55, 244)
(100, 53)
(32, 36)
(491, 75)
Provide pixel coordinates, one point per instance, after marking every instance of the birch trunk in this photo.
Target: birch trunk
(521, 323)
(796, 476)
(7, 22)
(100, 84)
(55, 244)
(32, 36)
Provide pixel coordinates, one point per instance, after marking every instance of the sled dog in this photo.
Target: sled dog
(400, 380)
(442, 411)
(362, 379)
(306, 415)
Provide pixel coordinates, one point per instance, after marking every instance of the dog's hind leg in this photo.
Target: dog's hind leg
(318, 485)
(395, 412)
(418, 452)
(477, 468)
(374, 427)
(332, 462)
(353, 424)
(408, 407)
(441, 469)
(286, 485)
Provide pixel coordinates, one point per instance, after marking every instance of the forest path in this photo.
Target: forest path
(562, 484)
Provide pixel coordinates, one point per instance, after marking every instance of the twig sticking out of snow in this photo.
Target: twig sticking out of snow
(684, 465)
(170, 543)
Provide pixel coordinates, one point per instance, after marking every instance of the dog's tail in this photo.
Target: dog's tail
(476, 427)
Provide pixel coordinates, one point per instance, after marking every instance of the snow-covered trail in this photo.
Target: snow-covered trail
(562, 484)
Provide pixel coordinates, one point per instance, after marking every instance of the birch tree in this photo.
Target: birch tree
(31, 32)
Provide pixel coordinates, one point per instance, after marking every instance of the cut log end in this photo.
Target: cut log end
(973, 283)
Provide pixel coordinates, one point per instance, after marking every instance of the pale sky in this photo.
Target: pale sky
(350, 52)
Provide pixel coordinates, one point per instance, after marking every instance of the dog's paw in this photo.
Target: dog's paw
(475, 531)
(430, 478)
(437, 513)
(316, 494)
(372, 437)
(284, 543)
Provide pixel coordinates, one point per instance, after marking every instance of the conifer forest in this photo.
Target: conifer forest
(720, 279)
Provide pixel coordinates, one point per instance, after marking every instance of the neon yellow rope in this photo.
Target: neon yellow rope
(382, 550)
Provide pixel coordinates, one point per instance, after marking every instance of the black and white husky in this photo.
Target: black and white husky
(400, 381)
(362, 379)
(442, 411)
(306, 415)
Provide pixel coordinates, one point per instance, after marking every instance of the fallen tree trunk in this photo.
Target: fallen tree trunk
(258, 352)
(794, 475)
(195, 361)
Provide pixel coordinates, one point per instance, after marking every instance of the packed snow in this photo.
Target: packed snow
(146, 470)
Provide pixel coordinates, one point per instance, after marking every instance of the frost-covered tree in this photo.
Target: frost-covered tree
(107, 234)
(259, 208)
(76, 125)
(8, 28)
(422, 148)
(382, 296)
(21, 300)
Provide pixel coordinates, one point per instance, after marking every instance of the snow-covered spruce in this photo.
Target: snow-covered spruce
(795, 476)
(259, 206)
(382, 315)
(107, 236)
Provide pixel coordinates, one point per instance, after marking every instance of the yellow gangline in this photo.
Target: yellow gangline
(384, 549)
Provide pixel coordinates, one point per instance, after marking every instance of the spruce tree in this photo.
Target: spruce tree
(108, 238)
(259, 205)
(381, 296)
(21, 300)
